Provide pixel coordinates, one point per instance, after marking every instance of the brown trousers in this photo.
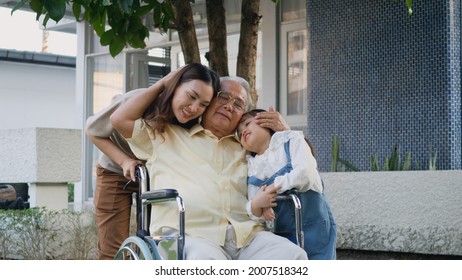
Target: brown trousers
(113, 208)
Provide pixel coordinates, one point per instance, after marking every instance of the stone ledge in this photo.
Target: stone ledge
(412, 212)
(33, 155)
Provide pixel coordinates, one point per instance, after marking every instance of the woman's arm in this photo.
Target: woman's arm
(98, 128)
(106, 146)
(123, 119)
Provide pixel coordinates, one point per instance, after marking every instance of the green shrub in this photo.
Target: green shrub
(41, 234)
(336, 160)
(391, 163)
(70, 192)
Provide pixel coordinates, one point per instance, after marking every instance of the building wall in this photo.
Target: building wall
(37, 95)
(380, 78)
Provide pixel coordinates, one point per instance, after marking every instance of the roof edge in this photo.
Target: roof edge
(37, 58)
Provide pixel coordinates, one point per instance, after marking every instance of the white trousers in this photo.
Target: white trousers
(263, 246)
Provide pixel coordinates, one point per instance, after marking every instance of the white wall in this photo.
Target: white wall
(37, 95)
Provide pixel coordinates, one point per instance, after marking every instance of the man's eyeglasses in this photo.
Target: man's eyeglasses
(225, 97)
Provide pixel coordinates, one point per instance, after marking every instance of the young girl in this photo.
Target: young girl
(282, 161)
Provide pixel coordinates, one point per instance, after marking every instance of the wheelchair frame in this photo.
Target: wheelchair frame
(143, 246)
(292, 196)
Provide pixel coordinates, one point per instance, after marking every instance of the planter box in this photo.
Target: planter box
(411, 211)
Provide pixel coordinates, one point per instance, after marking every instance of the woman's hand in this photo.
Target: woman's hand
(129, 166)
(166, 80)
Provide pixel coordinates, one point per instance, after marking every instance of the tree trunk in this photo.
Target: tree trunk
(216, 24)
(247, 56)
(186, 30)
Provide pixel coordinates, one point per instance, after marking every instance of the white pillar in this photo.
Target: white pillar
(53, 196)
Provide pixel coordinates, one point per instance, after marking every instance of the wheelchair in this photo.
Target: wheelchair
(143, 246)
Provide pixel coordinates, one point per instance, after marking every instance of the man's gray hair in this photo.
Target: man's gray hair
(243, 82)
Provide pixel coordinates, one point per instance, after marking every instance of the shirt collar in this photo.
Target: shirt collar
(199, 128)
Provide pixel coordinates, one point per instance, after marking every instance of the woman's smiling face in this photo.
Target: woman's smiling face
(191, 99)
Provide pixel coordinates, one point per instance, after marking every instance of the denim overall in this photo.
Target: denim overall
(318, 224)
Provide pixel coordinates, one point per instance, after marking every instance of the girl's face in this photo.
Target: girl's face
(191, 99)
(252, 136)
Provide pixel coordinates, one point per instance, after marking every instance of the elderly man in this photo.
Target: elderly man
(207, 165)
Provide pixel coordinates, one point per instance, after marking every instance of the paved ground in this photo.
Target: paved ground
(373, 255)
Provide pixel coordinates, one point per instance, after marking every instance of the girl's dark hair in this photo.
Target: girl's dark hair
(254, 113)
(160, 112)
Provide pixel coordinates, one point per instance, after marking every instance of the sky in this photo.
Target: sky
(22, 32)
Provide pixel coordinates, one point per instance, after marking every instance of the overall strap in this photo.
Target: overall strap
(252, 180)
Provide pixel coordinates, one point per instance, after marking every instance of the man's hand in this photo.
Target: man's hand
(272, 120)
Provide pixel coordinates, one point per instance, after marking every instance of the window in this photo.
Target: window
(294, 62)
(293, 10)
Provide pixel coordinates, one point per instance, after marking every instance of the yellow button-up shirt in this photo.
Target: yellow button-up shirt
(210, 174)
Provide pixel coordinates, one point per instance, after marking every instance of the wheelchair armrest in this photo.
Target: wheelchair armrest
(287, 194)
(161, 194)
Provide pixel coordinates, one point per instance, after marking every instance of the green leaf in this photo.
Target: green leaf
(116, 47)
(76, 10)
(19, 5)
(407, 162)
(143, 10)
(157, 15)
(107, 37)
(374, 163)
(395, 160)
(165, 24)
(349, 165)
(56, 9)
(137, 41)
(99, 24)
(37, 7)
(335, 154)
(82, 2)
(432, 161)
(409, 7)
(45, 20)
(386, 164)
(167, 9)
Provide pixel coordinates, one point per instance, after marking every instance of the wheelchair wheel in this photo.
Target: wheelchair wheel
(135, 248)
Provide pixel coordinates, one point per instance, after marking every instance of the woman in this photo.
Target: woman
(168, 100)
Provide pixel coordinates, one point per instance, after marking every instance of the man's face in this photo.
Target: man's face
(222, 118)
